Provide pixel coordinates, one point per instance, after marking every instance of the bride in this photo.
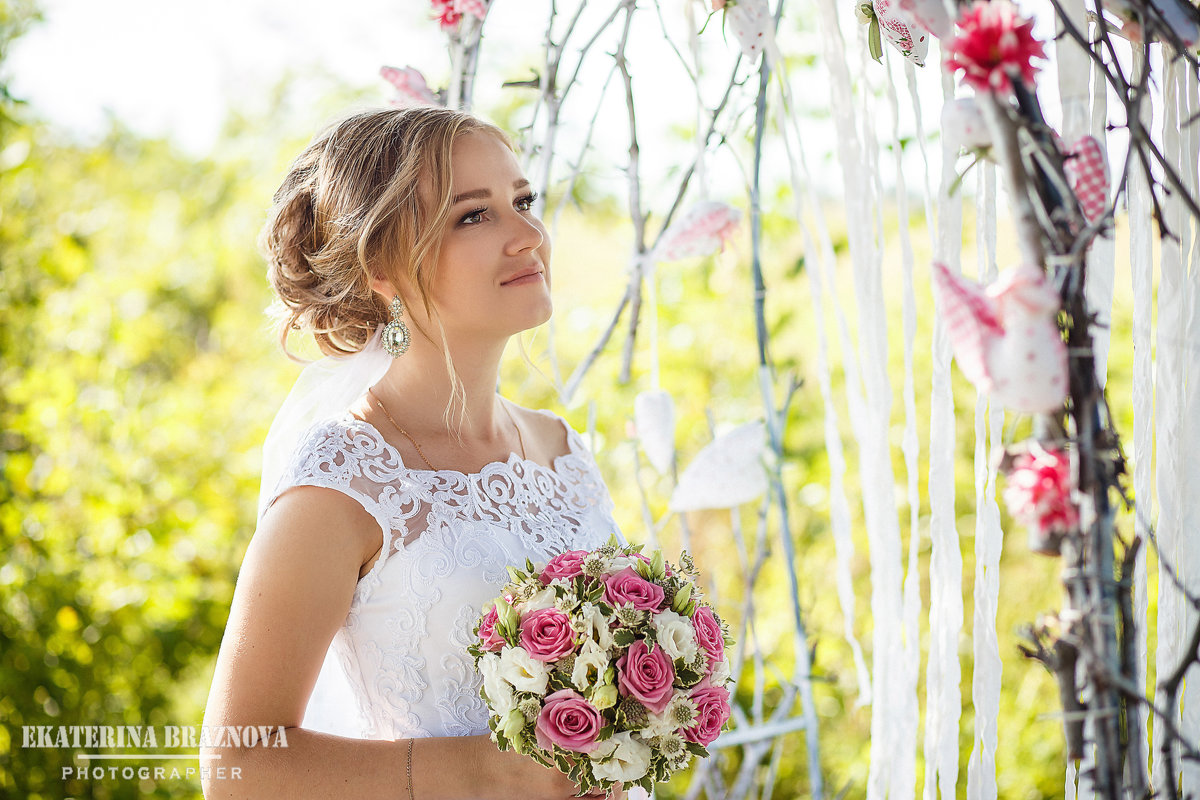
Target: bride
(405, 242)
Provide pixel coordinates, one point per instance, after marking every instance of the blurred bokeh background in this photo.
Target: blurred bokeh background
(139, 373)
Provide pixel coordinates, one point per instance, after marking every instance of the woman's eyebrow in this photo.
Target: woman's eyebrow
(483, 194)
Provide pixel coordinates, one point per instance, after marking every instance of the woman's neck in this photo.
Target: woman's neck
(416, 390)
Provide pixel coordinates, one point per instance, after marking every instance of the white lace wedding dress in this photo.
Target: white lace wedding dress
(400, 657)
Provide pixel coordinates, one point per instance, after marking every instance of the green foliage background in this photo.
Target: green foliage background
(139, 375)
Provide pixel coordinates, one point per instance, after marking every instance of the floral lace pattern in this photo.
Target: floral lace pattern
(448, 539)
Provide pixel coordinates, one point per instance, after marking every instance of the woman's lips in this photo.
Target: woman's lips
(535, 277)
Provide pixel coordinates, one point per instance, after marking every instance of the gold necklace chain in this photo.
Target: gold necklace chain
(407, 435)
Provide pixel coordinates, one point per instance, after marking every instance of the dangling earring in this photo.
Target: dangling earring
(395, 333)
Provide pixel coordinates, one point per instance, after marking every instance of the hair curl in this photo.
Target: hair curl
(352, 207)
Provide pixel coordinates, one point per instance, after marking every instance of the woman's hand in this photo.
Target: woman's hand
(508, 774)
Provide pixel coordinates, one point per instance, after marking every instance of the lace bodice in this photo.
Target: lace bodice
(447, 540)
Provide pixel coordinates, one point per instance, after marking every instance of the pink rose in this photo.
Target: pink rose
(646, 676)
(569, 721)
(488, 635)
(564, 565)
(708, 633)
(547, 634)
(712, 712)
(628, 587)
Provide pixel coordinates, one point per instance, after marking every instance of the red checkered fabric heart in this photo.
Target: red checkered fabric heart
(1087, 170)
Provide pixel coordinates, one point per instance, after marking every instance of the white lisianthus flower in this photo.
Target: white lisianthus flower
(720, 673)
(630, 758)
(522, 671)
(619, 563)
(676, 635)
(590, 621)
(658, 725)
(543, 598)
(591, 657)
(500, 692)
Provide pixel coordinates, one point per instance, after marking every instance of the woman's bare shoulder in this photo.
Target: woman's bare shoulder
(549, 430)
(321, 519)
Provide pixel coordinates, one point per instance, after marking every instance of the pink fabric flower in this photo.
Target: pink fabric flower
(627, 586)
(547, 634)
(717, 5)
(712, 712)
(703, 230)
(489, 637)
(564, 565)
(708, 633)
(1038, 492)
(447, 15)
(569, 721)
(646, 676)
(993, 41)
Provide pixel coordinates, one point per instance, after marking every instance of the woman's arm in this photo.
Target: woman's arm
(293, 593)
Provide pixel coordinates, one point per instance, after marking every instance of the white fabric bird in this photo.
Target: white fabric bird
(1005, 337)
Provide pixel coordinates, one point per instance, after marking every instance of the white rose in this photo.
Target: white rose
(499, 692)
(591, 657)
(523, 672)
(676, 635)
(590, 621)
(630, 758)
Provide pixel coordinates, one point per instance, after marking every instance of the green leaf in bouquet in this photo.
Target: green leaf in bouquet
(530, 568)
(682, 595)
(515, 575)
(623, 637)
(605, 608)
(643, 569)
(686, 677)
(635, 548)
(662, 772)
(658, 565)
(501, 739)
(697, 749)
(606, 733)
(647, 783)
(564, 765)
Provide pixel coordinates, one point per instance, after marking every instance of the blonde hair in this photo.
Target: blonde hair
(351, 209)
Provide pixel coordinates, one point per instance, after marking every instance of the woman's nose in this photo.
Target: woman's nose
(527, 234)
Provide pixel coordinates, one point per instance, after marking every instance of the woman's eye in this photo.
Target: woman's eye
(473, 217)
(526, 203)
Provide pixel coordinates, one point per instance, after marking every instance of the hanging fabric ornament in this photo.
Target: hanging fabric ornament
(654, 417)
(751, 24)
(411, 88)
(727, 472)
(929, 14)
(963, 126)
(901, 31)
(1005, 338)
(1086, 168)
(702, 231)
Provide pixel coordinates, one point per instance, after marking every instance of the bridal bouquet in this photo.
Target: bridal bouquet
(605, 665)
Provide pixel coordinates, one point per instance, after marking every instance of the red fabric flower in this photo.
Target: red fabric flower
(1038, 492)
(993, 40)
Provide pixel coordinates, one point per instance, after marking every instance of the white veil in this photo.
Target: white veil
(324, 389)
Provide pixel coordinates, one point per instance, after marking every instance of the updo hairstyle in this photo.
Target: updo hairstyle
(350, 209)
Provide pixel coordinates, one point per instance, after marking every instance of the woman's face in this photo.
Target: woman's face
(493, 272)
